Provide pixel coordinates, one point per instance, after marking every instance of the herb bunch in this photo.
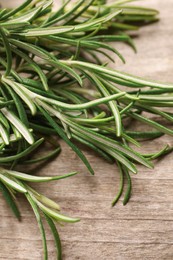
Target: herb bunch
(53, 82)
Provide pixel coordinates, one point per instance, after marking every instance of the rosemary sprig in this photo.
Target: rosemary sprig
(53, 82)
(12, 181)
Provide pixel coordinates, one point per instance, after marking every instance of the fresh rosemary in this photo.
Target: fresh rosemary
(53, 82)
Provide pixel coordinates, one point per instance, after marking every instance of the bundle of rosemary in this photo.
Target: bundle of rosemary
(53, 82)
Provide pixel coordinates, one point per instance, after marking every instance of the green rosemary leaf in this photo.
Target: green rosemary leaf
(46, 201)
(161, 98)
(144, 135)
(16, 10)
(160, 153)
(157, 103)
(54, 214)
(119, 81)
(139, 10)
(121, 185)
(30, 178)
(114, 38)
(96, 22)
(46, 157)
(116, 74)
(155, 111)
(153, 91)
(164, 151)
(40, 224)
(130, 140)
(94, 121)
(8, 51)
(27, 17)
(56, 237)
(46, 31)
(19, 106)
(18, 89)
(13, 119)
(13, 26)
(39, 52)
(46, 5)
(12, 184)
(22, 154)
(152, 123)
(4, 121)
(10, 200)
(4, 134)
(128, 17)
(129, 187)
(30, 82)
(35, 11)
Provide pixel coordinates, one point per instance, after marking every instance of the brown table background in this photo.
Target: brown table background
(141, 230)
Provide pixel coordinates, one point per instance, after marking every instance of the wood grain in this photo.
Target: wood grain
(141, 230)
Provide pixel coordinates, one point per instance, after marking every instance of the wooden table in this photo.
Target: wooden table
(141, 230)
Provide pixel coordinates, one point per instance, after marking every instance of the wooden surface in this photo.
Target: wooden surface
(141, 230)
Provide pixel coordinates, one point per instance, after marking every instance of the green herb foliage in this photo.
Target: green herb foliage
(54, 82)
